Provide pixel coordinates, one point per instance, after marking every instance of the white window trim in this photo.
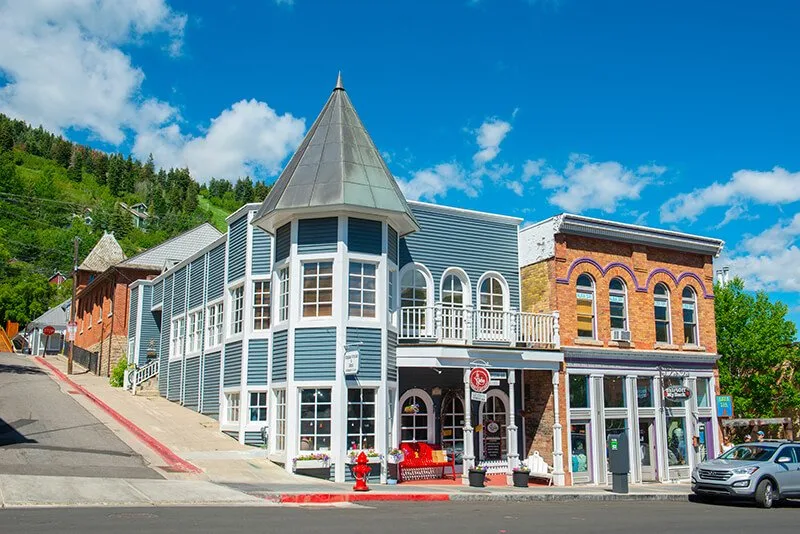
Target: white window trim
(277, 317)
(273, 418)
(503, 282)
(668, 298)
(376, 277)
(270, 308)
(299, 395)
(334, 274)
(466, 284)
(226, 423)
(426, 274)
(215, 302)
(422, 394)
(626, 316)
(201, 310)
(173, 345)
(228, 329)
(696, 314)
(250, 425)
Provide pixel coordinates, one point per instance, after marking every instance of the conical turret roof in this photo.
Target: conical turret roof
(337, 165)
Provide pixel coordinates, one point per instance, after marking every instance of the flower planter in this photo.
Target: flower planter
(313, 468)
(477, 478)
(521, 479)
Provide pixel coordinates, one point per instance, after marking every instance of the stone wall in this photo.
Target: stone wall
(109, 351)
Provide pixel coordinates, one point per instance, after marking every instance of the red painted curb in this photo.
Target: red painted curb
(174, 461)
(329, 498)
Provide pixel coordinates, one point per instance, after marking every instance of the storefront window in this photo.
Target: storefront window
(614, 391)
(361, 418)
(579, 444)
(673, 381)
(414, 420)
(703, 397)
(578, 391)
(453, 426)
(315, 419)
(676, 441)
(644, 392)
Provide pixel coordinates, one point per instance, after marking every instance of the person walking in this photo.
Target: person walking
(760, 435)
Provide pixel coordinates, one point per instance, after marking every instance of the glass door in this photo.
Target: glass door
(580, 443)
(613, 426)
(647, 450)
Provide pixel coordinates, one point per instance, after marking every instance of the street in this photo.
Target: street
(405, 518)
(44, 431)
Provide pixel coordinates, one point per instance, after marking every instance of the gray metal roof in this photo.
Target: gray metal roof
(337, 165)
(57, 317)
(105, 253)
(175, 250)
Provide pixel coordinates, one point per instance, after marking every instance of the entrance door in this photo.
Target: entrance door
(580, 444)
(647, 450)
(494, 419)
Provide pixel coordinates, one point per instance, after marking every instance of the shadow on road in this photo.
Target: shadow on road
(20, 369)
(9, 435)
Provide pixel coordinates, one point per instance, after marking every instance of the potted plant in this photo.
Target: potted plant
(317, 465)
(477, 476)
(393, 457)
(521, 475)
(151, 349)
(373, 456)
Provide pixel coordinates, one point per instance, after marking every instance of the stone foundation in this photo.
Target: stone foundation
(110, 351)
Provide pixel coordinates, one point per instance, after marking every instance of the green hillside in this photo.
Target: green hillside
(52, 190)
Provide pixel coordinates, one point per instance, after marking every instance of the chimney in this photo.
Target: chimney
(726, 275)
(720, 279)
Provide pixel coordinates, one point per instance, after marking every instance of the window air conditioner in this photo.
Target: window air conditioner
(621, 335)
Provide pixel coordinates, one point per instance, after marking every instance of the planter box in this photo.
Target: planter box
(391, 471)
(521, 479)
(313, 468)
(477, 479)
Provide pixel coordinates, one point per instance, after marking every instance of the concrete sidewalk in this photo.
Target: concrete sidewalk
(17, 491)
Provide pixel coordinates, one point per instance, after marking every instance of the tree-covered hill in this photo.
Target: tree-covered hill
(52, 190)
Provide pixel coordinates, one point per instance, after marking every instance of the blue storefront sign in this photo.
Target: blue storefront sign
(724, 406)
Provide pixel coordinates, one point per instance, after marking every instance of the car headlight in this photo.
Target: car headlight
(745, 470)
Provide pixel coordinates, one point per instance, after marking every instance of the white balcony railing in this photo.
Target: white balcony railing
(451, 324)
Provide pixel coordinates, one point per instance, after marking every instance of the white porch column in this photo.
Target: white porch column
(511, 429)
(558, 455)
(469, 448)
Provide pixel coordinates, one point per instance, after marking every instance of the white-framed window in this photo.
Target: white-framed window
(491, 305)
(283, 301)
(618, 305)
(391, 283)
(416, 416)
(453, 424)
(232, 407)
(360, 418)
(315, 419)
(689, 304)
(237, 310)
(177, 335)
(453, 302)
(195, 331)
(214, 324)
(318, 289)
(414, 302)
(258, 406)
(261, 304)
(584, 292)
(362, 280)
(280, 420)
(662, 313)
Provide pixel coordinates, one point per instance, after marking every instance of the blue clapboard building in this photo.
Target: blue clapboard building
(337, 316)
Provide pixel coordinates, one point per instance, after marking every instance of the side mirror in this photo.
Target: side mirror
(783, 460)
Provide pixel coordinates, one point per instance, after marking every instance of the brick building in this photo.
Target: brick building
(636, 317)
(102, 300)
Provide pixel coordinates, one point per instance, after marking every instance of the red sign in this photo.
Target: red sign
(48, 330)
(677, 393)
(479, 379)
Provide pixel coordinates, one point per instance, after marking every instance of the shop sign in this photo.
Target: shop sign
(351, 362)
(479, 379)
(480, 397)
(677, 393)
(494, 382)
(724, 406)
(498, 375)
(72, 327)
(48, 330)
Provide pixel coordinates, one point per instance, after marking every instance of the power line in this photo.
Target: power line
(28, 197)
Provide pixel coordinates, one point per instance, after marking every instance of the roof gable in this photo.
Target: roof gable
(105, 253)
(175, 250)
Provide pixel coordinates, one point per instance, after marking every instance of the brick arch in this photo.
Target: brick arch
(602, 270)
(676, 280)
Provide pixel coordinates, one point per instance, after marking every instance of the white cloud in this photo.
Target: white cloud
(532, 168)
(250, 138)
(774, 187)
(436, 181)
(489, 136)
(774, 239)
(587, 185)
(65, 68)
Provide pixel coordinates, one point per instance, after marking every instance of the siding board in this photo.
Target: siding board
(317, 235)
(158, 293)
(279, 350)
(283, 242)
(257, 362)
(391, 355)
(262, 250)
(133, 312)
(150, 333)
(233, 364)
(315, 354)
(210, 397)
(191, 387)
(237, 248)
(166, 317)
(369, 360)
(364, 235)
(179, 292)
(392, 245)
(196, 281)
(216, 272)
(174, 390)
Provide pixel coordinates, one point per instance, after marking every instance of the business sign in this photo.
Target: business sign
(479, 379)
(480, 397)
(351, 358)
(677, 393)
(48, 330)
(724, 406)
(72, 327)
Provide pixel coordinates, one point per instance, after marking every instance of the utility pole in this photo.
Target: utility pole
(75, 242)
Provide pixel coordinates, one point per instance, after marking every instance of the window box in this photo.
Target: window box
(313, 465)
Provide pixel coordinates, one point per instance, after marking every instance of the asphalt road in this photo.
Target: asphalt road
(44, 431)
(409, 518)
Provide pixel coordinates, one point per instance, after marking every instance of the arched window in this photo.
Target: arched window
(453, 302)
(491, 309)
(453, 425)
(494, 420)
(662, 313)
(585, 306)
(618, 304)
(414, 291)
(689, 301)
(416, 415)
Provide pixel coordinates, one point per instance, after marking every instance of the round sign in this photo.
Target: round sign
(492, 427)
(48, 330)
(479, 379)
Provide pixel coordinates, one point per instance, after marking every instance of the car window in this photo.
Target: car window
(750, 453)
(796, 451)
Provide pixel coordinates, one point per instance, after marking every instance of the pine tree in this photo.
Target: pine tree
(243, 191)
(6, 139)
(101, 167)
(116, 169)
(260, 191)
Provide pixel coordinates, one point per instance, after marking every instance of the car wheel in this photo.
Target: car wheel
(765, 494)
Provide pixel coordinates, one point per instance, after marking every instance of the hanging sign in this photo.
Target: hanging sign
(724, 406)
(677, 393)
(72, 327)
(479, 379)
(351, 358)
(48, 330)
(480, 397)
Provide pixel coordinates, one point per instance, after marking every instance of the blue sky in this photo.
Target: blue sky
(678, 114)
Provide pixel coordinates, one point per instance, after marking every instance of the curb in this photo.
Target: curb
(331, 498)
(175, 462)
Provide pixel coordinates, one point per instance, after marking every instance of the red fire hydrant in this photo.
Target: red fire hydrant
(360, 471)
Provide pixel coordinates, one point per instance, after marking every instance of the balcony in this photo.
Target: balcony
(467, 326)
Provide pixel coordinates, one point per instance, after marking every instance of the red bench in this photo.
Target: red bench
(423, 460)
